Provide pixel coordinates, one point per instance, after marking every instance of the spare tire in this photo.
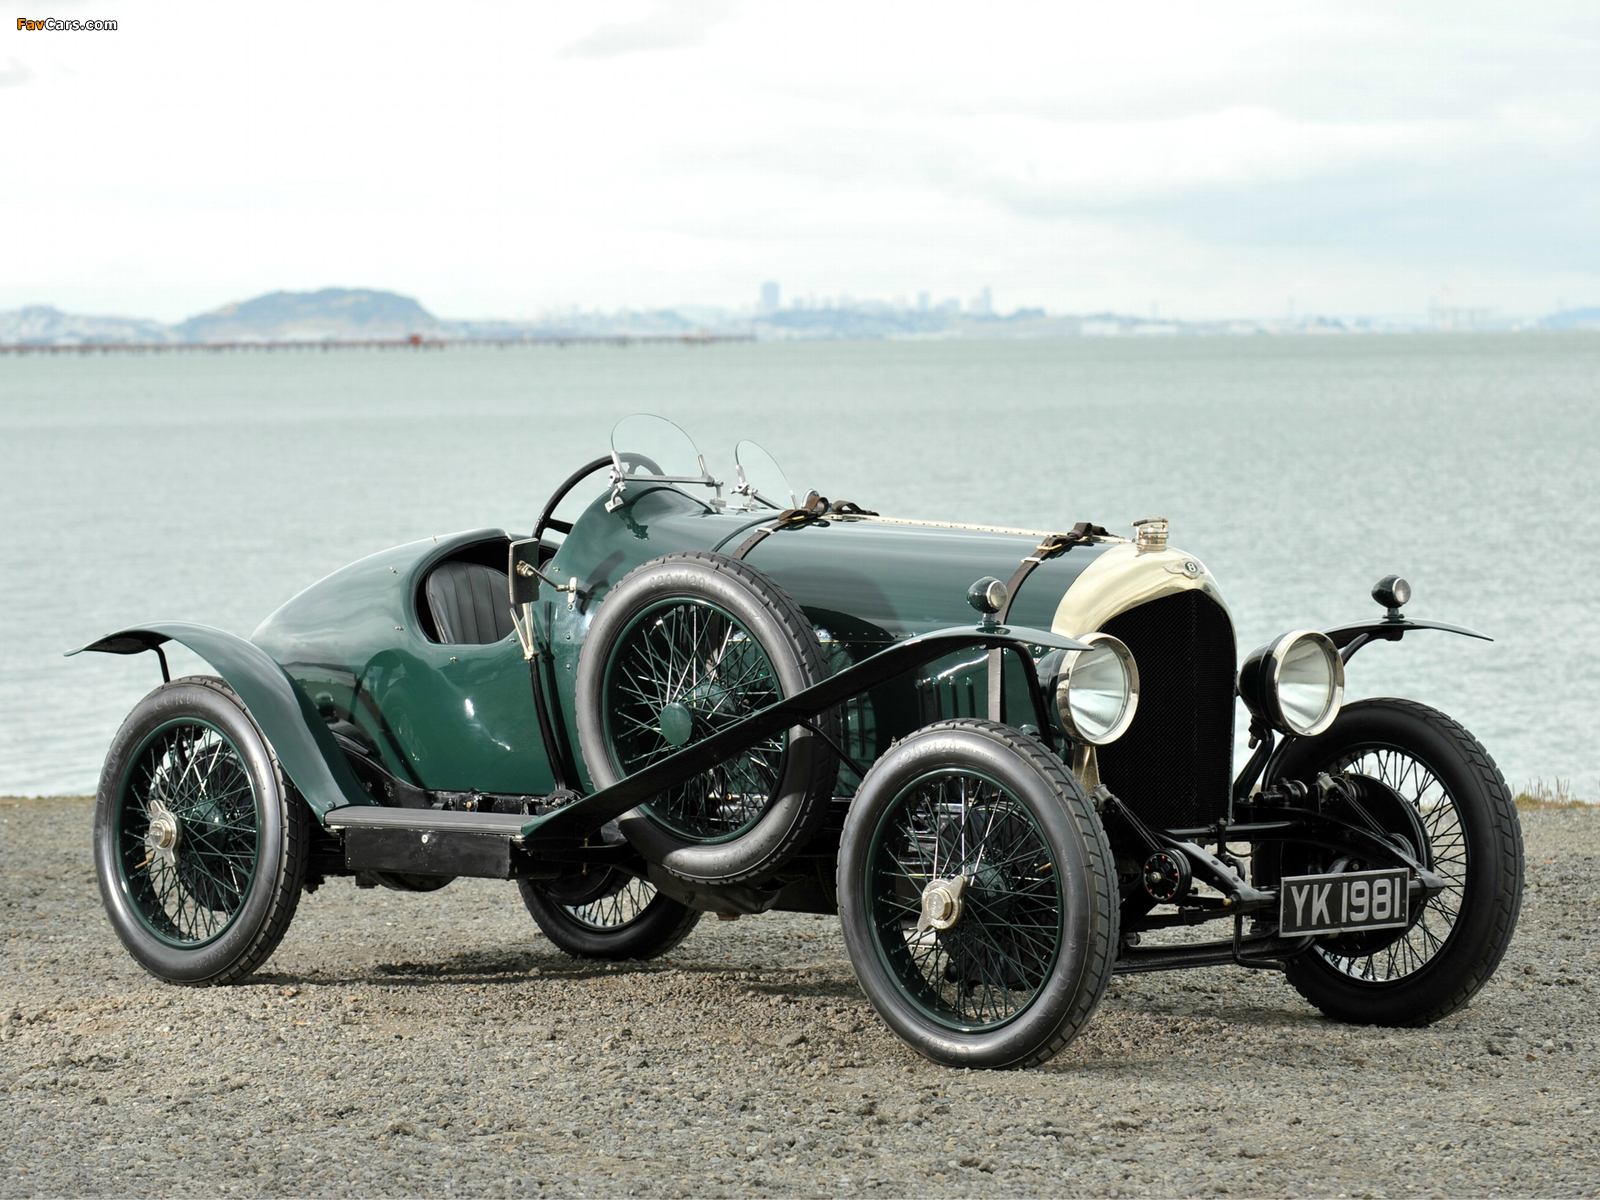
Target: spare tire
(682, 647)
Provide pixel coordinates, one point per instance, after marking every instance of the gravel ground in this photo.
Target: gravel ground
(437, 1044)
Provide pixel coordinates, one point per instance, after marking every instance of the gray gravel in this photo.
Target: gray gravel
(439, 1045)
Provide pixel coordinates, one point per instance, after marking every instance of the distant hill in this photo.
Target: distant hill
(331, 315)
(365, 314)
(42, 325)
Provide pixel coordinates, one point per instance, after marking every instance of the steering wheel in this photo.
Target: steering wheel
(630, 463)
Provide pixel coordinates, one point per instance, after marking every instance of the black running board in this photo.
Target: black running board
(415, 841)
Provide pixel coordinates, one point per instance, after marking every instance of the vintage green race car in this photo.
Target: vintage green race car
(1003, 757)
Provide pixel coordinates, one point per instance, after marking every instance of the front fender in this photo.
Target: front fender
(304, 746)
(1350, 638)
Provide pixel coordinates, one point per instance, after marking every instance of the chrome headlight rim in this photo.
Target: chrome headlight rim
(1071, 664)
(1266, 667)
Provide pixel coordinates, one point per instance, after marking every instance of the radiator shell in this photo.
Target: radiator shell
(1174, 766)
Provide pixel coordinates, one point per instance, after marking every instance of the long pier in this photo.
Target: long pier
(414, 342)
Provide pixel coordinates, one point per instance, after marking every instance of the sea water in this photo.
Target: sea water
(213, 486)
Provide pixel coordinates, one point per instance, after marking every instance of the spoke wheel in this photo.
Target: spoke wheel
(684, 670)
(608, 914)
(1459, 801)
(188, 833)
(1385, 955)
(976, 890)
(200, 846)
(617, 908)
(681, 648)
(988, 965)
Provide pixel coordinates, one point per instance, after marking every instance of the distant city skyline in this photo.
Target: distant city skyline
(362, 315)
(503, 160)
(771, 298)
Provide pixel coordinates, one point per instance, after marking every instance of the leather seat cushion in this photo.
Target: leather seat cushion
(470, 603)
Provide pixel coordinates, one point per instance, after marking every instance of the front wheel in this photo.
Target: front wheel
(977, 895)
(607, 914)
(1460, 804)
(199, 846)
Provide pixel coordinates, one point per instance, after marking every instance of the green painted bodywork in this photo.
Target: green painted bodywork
(444, 717)
(305, 748)
(359, 649)
(863, 584)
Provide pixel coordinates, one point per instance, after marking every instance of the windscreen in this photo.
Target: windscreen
(762, 483)
(650, 445)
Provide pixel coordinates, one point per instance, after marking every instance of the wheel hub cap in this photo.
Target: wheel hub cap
(677, 723)
(161, 838)
(941, 903)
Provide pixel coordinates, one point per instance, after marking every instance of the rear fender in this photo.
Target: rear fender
(304, 746)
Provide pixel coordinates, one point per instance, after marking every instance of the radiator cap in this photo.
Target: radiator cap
(1150, 534)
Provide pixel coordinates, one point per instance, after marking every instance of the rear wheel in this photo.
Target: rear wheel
(977, 895)
(1459, 805)
(200, 848)
(607, 914)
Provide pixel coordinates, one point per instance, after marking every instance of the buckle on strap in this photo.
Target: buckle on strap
(1058, 543)
(811, 510)
(1083, 533)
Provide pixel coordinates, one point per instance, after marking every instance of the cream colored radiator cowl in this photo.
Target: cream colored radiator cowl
(1124, 577)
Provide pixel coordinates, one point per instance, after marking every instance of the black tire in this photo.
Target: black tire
(680, 602)
(1035, 990)
(610, 915)
(209, 906)
(1467, 811)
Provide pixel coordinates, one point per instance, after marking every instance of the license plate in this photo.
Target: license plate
(1345, 903)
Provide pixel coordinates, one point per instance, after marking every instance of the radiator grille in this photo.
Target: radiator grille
(1174, 765)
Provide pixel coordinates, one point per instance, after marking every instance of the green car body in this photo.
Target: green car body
(360, 644)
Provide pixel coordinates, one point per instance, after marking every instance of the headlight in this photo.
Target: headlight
(1295, 682)
(1096, 690)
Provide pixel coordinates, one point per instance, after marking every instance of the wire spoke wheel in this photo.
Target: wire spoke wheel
(1422, 776)
(1418, 786)
(683, 647)
(611, 914)
(684, 670)
(200, 843)
(991, 962)
(977, 895)
(188, 833)
(616, 909)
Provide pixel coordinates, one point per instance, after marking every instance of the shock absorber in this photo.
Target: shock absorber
(1167, 876)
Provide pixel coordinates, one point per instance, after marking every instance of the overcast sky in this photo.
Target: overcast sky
(501, 160)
